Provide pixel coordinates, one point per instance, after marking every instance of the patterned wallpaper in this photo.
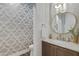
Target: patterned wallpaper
(16, 27)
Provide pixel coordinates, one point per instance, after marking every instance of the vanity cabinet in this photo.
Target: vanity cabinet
(53, 50)
(47, 48)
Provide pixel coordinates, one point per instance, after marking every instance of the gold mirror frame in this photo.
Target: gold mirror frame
(51, 19)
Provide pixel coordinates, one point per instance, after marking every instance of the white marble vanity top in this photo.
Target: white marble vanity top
(68, 45)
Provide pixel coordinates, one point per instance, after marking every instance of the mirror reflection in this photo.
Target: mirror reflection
(63, 22)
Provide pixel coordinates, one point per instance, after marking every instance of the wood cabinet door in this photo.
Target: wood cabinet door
(53, 50)
(48, 49)
(65, 52)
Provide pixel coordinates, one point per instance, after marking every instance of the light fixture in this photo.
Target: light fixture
(60, 7)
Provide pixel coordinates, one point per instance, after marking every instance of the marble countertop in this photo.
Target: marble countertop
(64, 44)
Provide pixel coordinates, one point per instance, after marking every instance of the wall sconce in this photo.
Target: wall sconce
(60, 7)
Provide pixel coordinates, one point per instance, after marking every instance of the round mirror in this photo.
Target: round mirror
(63, 22)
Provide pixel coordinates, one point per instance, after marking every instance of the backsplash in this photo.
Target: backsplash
(16, 27)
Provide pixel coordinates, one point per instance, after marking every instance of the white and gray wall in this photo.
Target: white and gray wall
(41, 17)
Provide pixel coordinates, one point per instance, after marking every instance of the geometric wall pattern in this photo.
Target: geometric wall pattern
(16, 27)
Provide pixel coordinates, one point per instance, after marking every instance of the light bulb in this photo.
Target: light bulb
(58, 6)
